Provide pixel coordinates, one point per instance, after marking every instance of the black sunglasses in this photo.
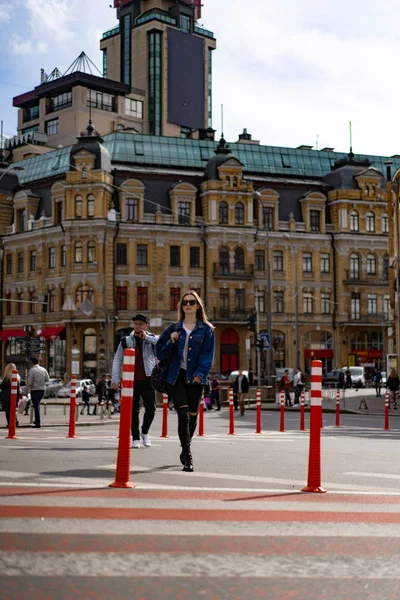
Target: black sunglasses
(191, 302)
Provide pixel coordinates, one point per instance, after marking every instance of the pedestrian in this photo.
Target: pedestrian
(37, 378)
(341, 380)
(190, 345)
(378, 382)
(242, 389)
(393, 383)
(101, 391)
(299, 381)
(214, 395)
(235, 393)
(287, 384)
(144, 344)
(5, 391)
(86, 400)
(349, 382)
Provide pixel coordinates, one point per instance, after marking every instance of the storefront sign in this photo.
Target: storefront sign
(317, 353)
(367, 355)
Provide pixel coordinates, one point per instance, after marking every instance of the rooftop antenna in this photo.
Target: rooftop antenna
(222, 120)
(316, 141)
(351, 155)
(82, 64)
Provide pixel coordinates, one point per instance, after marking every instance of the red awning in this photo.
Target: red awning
(6, 334)
(51, 333)
(318, 354)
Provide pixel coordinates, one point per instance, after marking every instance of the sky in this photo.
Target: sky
(292, 72)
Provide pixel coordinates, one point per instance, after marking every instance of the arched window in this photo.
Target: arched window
(385, 223)
(78, 252)
(354, 221)
(223, 213)
(370, 219)
(239, 213)
(91, 250)
(224, 261)
(90, 205)
(78, 207)
(371, 264)
(83, 292)
(239, 258)
(386, 267)
(354, 266)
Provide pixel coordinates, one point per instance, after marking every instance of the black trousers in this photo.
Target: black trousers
(144, 390)
(36, 396)
(186, 398)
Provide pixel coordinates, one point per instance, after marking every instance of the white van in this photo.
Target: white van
(357, 376)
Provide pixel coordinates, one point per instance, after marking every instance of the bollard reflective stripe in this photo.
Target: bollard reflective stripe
(12, 426)
(302, 427)
(337, 424)
(258, 408)
(314, 460)
(231, 414)
(124, 443)
(164, 431)
(386, 426)
(282, 411)
(201, 416)
(72, 409)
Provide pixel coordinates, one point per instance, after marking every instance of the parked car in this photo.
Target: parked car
(65, 391)
(332, 378)
(52, 386)
(357, 376)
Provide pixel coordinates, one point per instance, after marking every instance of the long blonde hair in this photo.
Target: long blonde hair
(200, 312)
(8, 371)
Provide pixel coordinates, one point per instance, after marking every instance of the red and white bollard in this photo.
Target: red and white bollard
(201, 417)
(231, 414)
(314, 460)
(72, 408)
(302, 427)
(125, 421)
(164, 429)
(258, 409)
(12, 424)
(282, 410)
(386, 427)
(337, 424)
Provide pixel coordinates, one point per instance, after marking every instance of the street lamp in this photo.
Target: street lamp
(296, 293)
(257, 196)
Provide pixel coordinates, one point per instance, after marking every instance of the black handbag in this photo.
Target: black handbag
(159, 373)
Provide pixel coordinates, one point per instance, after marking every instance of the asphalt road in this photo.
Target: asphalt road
(238, 527)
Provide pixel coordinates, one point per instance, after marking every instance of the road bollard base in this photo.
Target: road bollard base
(11, 437)
(70, 436)
(116, 484)
(318, 490)
(164, 436)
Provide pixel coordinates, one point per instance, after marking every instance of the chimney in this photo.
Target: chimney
(245, 138)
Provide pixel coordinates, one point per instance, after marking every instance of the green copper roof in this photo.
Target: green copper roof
(154, 151)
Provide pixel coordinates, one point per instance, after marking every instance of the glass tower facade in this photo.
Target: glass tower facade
(155, 65)
(126, 49)
(210, 87)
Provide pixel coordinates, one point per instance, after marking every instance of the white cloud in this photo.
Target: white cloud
(52, 19)
(6, 12)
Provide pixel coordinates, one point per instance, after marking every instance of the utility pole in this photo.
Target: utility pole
(391, 337)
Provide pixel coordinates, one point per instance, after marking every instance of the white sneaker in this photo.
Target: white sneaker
(146, 440)
(136, 444)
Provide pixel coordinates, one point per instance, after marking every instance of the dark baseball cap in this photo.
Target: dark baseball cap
(140, 317)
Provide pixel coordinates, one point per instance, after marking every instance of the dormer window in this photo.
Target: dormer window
(131, 209)
(21, 219)
(268, 214)
(184, 213)
(84, 173)
(315, 224)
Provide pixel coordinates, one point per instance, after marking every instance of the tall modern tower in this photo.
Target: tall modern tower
(165, 56)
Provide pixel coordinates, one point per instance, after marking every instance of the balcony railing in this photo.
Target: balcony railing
(85, 267)
(225, 270)
(225, 314)
(357, 278)
(367, 318)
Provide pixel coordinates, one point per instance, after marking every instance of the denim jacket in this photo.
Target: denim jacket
(200, 351)
(148, 351)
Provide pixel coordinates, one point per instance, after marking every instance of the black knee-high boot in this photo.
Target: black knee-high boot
(192, 425)
(184, 437)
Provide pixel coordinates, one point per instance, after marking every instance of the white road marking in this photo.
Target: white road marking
(16, 475)
(380, 475)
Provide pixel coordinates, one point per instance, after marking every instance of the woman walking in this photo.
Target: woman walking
(5, 390)
(189, 346)
(393, 383)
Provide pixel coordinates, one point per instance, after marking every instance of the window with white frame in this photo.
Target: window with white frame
(278, 260)
(355, 307)
(278, 301)
(131, 209)
(91, 249)
(372, 304)
(385, 223)
(370, 222)
(307, 303)
(239, 213)
(78, 252)
(325, 262)
(325, 303)
(386, 306)
(371, 264)
(134, 108)
(259, 260)
(354, 266)
(354, 221)
(307, 262)
(90, 206)
(260, 301)
(184, 212)
(315, 216)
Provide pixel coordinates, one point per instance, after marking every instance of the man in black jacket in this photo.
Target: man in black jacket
(242, 389)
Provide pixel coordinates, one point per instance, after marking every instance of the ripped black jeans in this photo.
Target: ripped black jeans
(186, 398)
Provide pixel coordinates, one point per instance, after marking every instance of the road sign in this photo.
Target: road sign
(267, 340)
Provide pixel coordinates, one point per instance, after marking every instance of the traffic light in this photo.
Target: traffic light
(260, 342)
(251, 320)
